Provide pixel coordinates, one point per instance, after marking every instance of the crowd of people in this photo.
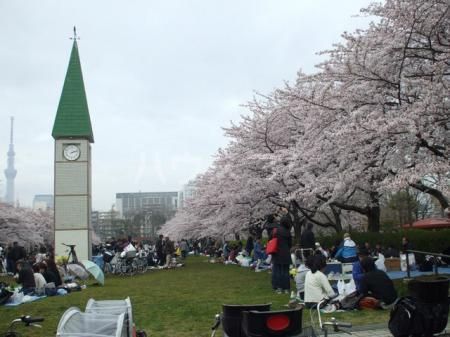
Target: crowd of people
(35, 271)
(38, 273)
(371, 283)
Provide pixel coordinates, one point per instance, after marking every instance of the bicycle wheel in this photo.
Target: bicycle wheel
(308, 331)
(11, 334)
(107, 268)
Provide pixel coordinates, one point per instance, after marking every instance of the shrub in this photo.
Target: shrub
(424, 240)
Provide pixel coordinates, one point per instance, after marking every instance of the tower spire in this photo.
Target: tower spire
(10, 172)
(72, 117)
(11, 139)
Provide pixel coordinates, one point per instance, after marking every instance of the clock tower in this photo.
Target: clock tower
(73, 136)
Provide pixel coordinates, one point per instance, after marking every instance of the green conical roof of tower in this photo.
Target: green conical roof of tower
(72, 118)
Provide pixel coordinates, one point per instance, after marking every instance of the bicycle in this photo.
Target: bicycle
(323, 326)
(26, 320)
(72, 253)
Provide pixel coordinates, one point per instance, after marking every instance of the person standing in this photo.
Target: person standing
(184, 248)
(168, 250)
(282, 258)
(249, 245)
(307, 239)
(159, 250)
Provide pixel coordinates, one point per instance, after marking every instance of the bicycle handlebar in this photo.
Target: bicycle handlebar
(337, 324)
(29, 320)
(216, 323)
(71, 246)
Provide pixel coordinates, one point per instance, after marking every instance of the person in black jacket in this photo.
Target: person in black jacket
(159, 250)
(282, 258)
(17, 253)
(25, 277)
(375, 283)
(307, 239)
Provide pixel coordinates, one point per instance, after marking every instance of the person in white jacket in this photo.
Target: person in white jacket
(302, 270)
(317, 286)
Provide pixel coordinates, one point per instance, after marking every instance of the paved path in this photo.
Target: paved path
(380, 330)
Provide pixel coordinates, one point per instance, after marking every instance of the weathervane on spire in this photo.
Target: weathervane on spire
(75, 36)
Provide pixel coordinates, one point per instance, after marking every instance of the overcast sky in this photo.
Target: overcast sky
(161, 78)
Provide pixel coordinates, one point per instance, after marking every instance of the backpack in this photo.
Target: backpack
(402, 317)
(5, 294)
(412, 317)
(351, 301)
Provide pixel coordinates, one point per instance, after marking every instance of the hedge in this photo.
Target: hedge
(424, 240)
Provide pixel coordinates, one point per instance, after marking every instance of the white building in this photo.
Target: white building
(187, 192)
(43, 202)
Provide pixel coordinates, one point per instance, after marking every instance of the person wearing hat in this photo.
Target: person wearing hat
(320, 250)
(347, 252)
(357, 270)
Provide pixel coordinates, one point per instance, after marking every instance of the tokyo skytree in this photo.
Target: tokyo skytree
(10, 172)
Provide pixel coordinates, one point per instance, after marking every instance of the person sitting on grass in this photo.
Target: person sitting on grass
(375, 283)
(51, 266)
(25, 277)
(357, 270)
(302, 270)
(317, 286)
(347, 251)
(39, 281)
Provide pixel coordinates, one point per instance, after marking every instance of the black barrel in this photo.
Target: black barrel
(429, 289)
(232, 317)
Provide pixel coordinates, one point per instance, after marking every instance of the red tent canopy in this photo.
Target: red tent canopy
(429, 224)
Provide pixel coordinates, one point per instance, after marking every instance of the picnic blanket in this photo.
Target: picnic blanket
(23, 299)
(395, 275)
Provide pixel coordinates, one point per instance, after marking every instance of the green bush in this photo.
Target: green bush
(424, 240)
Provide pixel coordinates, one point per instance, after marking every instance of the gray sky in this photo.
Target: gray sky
(161, 78)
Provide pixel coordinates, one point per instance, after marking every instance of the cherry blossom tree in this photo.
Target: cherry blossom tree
(374, 118)
(26, 226)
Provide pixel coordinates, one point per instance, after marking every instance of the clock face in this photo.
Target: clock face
(71, 152)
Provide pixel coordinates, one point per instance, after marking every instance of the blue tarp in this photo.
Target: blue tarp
(395, 275)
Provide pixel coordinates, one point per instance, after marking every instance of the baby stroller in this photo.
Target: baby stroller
(109, 318)
(114, 307)
(75, 323)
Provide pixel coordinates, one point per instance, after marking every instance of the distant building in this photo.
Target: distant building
(132, 203)
(43, 202)
(187, 192)
(104, 224)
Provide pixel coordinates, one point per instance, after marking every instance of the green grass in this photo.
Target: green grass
(179, 302)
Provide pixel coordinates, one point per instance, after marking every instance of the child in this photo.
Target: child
(300, 280)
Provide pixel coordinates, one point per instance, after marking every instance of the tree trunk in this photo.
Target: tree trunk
(433, 192)
(297, 224)
(373, 213)
(337, 218)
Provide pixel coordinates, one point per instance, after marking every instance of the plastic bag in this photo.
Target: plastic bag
(16, 298)
(380, 262)
(350, 287)
(411, 260)
(341, 287)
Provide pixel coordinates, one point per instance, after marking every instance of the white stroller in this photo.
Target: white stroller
(75, 323)
(109, 318)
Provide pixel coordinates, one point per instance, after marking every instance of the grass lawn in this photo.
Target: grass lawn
(179, 302)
